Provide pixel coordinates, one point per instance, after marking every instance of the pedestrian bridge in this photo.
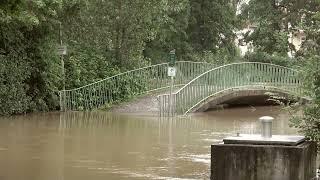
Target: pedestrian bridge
(200, 85)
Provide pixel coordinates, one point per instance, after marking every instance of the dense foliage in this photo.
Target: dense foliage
(310, 122)
(28, 68)
(103, 38)
(310, 53)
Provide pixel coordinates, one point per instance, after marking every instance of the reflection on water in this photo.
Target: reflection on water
(100, 145)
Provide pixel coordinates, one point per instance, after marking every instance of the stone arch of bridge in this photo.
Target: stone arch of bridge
(218, 100)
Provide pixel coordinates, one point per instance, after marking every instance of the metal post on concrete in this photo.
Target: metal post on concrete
(266, 126)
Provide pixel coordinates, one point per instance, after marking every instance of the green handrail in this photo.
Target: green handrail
(226, 77)
(130, 83)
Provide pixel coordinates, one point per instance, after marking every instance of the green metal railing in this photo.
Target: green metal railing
(226, 77)
(127, 84)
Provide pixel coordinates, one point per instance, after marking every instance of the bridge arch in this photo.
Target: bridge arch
(222, 79)
(236, 95)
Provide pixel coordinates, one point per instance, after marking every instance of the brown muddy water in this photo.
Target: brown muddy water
(107, 146)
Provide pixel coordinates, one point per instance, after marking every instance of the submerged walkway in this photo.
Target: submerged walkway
(143, 104)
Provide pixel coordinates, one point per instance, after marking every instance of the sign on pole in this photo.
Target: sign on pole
(171, 71)
(62, 50)
(172, 58)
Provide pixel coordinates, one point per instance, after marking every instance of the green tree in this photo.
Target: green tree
(171, 34)
(109, 36)
(273, 21)
(310, 122)
(29, 64)
(211, 24)
(198, 30)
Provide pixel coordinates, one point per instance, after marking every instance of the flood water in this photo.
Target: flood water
(106, 146)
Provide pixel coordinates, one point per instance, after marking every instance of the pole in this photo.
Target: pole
(266, 126)
(171, 97)
(63, 83)
(62, 71)
(172, 60)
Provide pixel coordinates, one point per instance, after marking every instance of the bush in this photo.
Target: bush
(13, 74)
(309, 123)
(267, 58)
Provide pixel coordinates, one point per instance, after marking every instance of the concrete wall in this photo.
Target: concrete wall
(263, 162)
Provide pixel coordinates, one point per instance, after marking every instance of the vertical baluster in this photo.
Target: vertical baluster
(95, 94)
(100, 96)
(158, 85)
(188, 73)
(210, 82)
(89, 91)
(161, 76)
(203, 84)
(214, 81)
(270, 73)
(84, 96)
(160, 106)
(67, 100)
(74, 99)
(150, 79)
(112, 86)
(275, 76)
(69, 96)
(168, 103)
(93, 90)
(107, 86)
(238, 75)
(261, 74)
(286, 79)
(280, 78)
(103, 92)
(252, 74)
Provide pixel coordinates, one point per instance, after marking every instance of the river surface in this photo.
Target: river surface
(107, 146)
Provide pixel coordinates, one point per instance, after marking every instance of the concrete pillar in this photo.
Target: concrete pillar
(264, 157)
(263, 162)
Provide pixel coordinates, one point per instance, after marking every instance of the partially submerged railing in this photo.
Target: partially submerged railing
(128, 84)
(226, 77)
